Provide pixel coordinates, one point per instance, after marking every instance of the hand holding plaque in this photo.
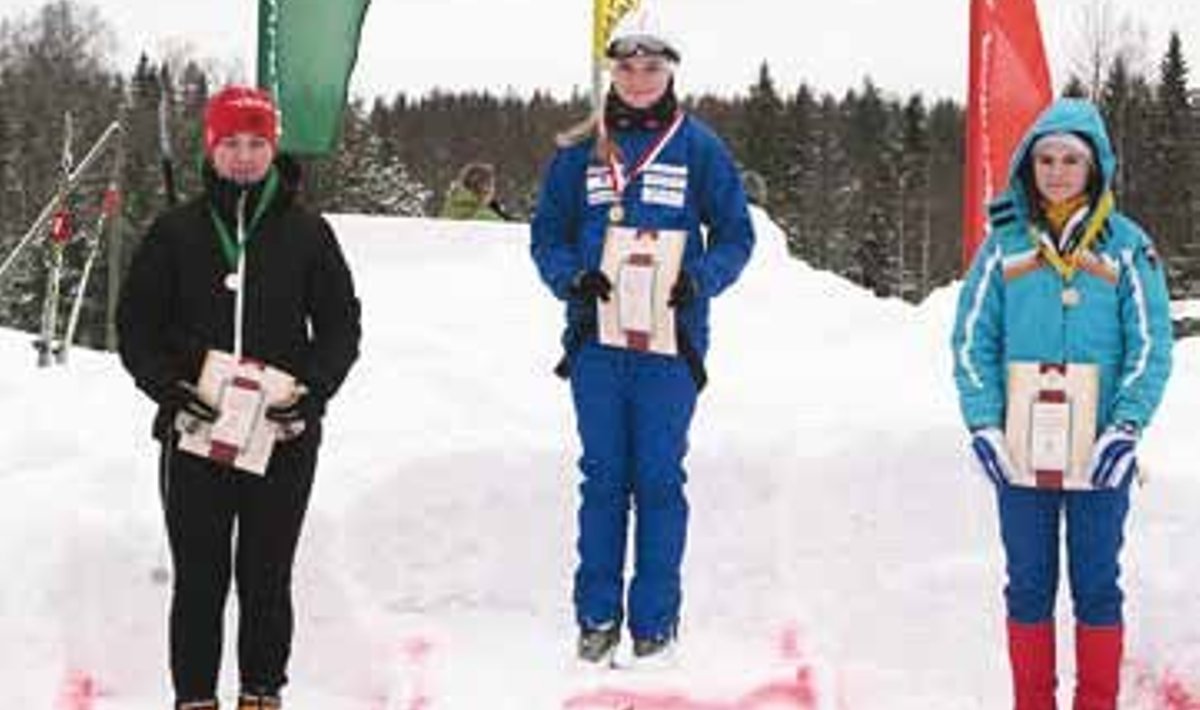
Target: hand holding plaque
(240, 436)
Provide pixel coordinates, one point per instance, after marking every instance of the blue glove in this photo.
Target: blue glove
(1114, 456)
(992, 451)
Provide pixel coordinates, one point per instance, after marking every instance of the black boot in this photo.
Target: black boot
(255, 701)
(655, 650)
(598, 644)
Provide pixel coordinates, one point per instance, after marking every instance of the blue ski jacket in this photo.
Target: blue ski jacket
(1110, 308)
(692, 185)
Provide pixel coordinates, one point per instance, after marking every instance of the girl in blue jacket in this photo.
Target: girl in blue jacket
(645, 164)
(1064, 279)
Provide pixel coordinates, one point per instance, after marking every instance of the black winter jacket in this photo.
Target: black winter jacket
(301, 313)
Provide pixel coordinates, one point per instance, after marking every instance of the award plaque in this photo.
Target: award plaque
(1050, 423)
(642, 265)
(241, 437)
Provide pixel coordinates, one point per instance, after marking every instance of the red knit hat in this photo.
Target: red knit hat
(240, 109)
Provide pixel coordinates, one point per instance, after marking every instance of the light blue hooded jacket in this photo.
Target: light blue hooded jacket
(1012, 307)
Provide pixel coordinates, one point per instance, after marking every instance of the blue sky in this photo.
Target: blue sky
(414, 45)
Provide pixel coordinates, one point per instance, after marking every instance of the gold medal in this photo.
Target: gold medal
(616, 214)
(1070, 297)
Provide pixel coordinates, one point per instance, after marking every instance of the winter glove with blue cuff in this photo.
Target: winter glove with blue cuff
(1114, 456)
(684, 291)
(590, 285)
(992, 451)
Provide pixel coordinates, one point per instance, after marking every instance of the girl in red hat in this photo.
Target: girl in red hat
(242, 268)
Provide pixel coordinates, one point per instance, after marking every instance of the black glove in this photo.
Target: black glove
(684, 291)
(590, 285)
(305, 408)
(182, 396)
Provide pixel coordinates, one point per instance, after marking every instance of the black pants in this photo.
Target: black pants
(202, 500)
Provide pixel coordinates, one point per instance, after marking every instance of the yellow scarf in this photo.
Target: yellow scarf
(1057, 214)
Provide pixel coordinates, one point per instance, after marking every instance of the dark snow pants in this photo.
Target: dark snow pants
(633, 412)
(202, 501)
(1030, 521)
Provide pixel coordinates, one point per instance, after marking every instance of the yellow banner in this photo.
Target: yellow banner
(607, 13)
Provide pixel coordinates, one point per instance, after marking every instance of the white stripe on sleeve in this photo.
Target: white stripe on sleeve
(964, 353)
(1139, 299)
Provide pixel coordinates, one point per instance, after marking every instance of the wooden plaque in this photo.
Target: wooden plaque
(642, 265)
(1050, 423)
(241, 437)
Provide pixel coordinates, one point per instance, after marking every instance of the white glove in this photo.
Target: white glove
(1114, 456)
(991, 450)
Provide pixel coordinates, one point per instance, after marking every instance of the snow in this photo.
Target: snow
(843, 553)
(1186, 309)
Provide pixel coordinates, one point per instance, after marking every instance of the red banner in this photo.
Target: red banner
(1009, 85)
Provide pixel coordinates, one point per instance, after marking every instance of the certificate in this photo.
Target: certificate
(1050, 423)
(643, 265)
(241, 437)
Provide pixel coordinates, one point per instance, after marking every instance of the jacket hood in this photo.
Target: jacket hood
(1064, 116)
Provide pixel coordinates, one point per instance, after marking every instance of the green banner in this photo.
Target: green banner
(306, 51)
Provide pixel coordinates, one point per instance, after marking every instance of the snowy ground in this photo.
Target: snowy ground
(843, 554)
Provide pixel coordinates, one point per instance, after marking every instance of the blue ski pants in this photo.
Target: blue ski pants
(633, 411)
(1029, 526)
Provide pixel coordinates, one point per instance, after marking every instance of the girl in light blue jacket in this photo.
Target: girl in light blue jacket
(1063, 280)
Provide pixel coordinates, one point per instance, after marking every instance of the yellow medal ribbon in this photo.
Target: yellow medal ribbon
(1068, 264)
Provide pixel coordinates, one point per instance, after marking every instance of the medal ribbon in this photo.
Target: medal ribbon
(1066, 265)
(616, 172)
(232, 248)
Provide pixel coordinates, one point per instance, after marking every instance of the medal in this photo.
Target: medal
(231, 282)
(616, 214)
(1070, 297)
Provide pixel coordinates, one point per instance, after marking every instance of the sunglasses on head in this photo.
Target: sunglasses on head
(627, 47)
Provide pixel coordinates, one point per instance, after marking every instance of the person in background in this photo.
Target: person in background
(646, 164)
(472, 195)
(756, 188)
(300, 314)
(1064, 279)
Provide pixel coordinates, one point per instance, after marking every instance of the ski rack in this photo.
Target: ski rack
(53, 226)
(109, 213)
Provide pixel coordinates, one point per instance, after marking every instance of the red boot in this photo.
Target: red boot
(1031, 653)
(1097, 666)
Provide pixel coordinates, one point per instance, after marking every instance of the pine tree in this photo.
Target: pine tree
(872, 147)
(946, 140)
(370, 180)
(762, 147)
(1174, 209)
(836, 192)
(796, 200)
(913, 231)
(1127, 103)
